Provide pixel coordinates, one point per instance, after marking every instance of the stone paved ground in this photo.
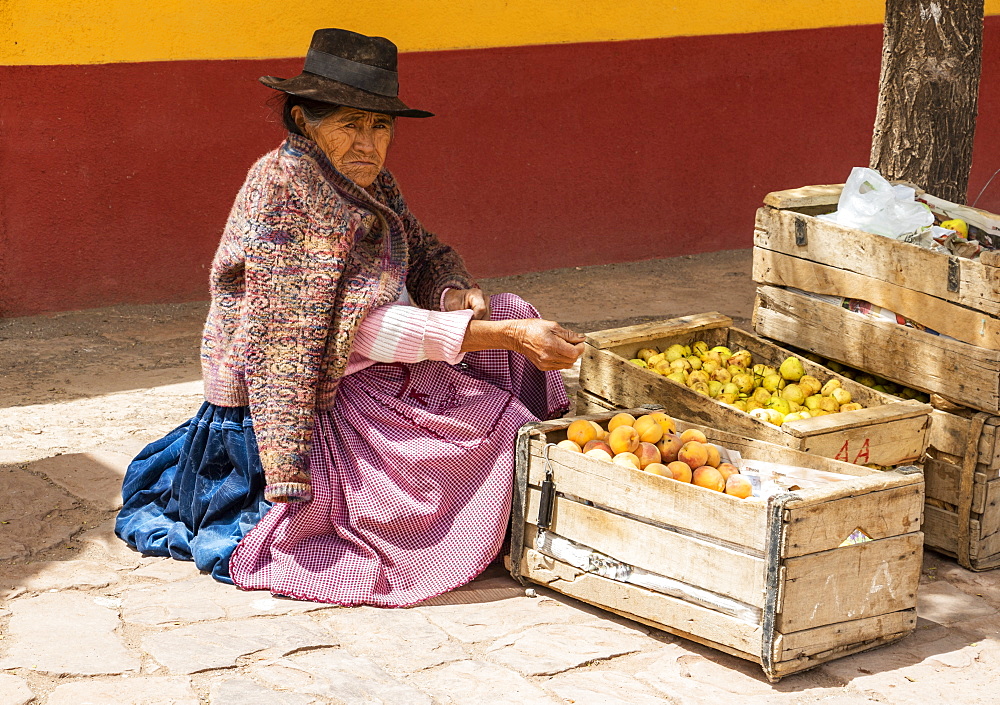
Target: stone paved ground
(84, 619)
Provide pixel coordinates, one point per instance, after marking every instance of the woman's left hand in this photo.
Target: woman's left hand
(459, 299)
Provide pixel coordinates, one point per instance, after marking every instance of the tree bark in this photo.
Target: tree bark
(928, 94)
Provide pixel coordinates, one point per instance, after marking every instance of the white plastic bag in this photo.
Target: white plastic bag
(872, 204)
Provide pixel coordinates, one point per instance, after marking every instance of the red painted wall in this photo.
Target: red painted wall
(116, 179)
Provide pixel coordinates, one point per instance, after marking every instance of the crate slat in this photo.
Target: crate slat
(834, 586)
(965, 324)
(805, 196)
(647, 606)
(941, 479)
(963, 373)
(810, 642)
(669, 553)
(825, 525)
(614, 337)
(880, 260)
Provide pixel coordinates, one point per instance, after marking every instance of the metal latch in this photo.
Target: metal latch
(548, 497)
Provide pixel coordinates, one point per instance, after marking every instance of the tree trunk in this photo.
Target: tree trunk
(928, 91)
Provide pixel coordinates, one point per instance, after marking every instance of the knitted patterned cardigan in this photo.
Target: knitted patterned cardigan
(305, 255)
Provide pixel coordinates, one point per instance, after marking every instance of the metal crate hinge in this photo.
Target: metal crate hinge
(801, 230)
(954, 280)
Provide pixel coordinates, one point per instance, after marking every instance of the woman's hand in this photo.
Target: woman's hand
(459, 299)
(546, 344)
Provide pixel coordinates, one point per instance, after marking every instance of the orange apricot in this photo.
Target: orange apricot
(708, 477)
(665, 422)
(739, 486)
(647, 454)
(621, 419)
(727, 469)
(649, 431)
(693, 453)
(602, 433)
(603, 445)
(598, 454)
(680, 470)
(569, 445)
(659, 469)
(668, 447)
(713, 456)
(627, 459)
(693, 434)
(580, 431)
(623, 439)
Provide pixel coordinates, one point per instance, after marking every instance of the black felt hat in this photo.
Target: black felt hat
(349, 69)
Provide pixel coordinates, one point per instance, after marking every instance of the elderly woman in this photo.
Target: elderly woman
(362, 396)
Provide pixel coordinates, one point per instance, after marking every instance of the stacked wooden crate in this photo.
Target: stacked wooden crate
(795, 252)
(790, 581)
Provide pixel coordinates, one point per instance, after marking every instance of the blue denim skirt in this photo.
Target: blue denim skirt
(195, 493)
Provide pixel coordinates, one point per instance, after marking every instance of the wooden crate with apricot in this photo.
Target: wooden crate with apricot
(821, 559)
(884, 431)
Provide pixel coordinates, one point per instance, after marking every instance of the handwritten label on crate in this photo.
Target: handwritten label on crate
(858, 456)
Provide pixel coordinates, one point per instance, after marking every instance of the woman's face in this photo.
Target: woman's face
(356, 141)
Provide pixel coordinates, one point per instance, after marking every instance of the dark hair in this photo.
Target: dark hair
(313, 110)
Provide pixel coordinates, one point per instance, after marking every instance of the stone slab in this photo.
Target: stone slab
(487, 621)
(57, 575)
(167, 569)
(476, 682)
(602, 688)
(201, 598)
(35, 514)
(342, 678)
(208, 645)
(101, 544)
(554, 648)
(95, 476)
(240, 691)
(14, 690)
(126, 691)
(400, 641)
(66, 634)
(180, 602)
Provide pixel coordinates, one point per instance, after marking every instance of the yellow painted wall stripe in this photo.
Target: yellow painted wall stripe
(106, 31)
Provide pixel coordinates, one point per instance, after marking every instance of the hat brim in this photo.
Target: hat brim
(314, 87)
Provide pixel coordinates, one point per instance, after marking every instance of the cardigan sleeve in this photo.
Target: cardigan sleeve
(295, 254)
(433, 265)
(401, 333)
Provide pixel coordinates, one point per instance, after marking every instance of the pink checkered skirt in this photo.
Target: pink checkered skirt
(411, 476)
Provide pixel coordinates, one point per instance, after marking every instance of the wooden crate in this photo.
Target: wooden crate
(775, 581)
(962, 373)
(962, 477)
(956, 296)
(888, 432)
(962, 464)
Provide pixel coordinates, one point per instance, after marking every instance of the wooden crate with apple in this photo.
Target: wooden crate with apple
(886, 432)
(821, 568)
(959, 298)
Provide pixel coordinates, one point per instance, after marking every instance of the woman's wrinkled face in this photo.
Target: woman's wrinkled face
(355, 141)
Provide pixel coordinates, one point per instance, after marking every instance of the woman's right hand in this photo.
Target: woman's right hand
(546, 344)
